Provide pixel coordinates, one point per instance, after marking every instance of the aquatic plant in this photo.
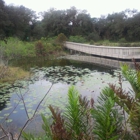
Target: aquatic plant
(115, 115)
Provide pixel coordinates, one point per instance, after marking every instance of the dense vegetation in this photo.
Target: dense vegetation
(21, 22)
(45, 47)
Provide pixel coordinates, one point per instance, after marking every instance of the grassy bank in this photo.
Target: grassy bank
(11, 74)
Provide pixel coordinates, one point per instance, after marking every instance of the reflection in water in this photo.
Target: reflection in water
(99, 60)
(2, 105)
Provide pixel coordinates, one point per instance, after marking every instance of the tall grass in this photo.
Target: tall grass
(11, 74)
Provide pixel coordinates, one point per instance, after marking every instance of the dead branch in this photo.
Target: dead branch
(26, 123)
(22, 98)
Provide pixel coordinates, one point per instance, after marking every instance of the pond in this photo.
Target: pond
(89, 79)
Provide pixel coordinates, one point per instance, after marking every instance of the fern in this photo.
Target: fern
(46, 127)
(133, 76)
(58, 128)
(77, 115)
(108, 122)
(122, 98)
(28, 136)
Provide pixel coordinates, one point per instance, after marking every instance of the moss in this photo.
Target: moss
(11, 74)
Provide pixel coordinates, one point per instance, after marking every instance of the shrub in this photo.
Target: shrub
(93, 36)
(122, 40)
(91, 42)
(77, 39)
(40, 49)
(61, 38)
(14, 48)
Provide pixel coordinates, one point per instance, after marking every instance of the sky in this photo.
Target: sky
(95, 8)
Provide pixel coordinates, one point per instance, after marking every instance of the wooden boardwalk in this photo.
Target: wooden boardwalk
(120, 53)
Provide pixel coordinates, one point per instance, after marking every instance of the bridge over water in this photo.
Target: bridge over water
(103, 55)
(119, 53)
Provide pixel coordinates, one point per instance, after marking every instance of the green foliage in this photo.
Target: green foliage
(129, 101)
(108, 121)
(76, 112)
(122, 40)
(91, 42)
(112, 43)
(133, 76)
(93, 36)
(17, 48)
(77, 39)
(32, 137)
(21, 22)
(73, 111)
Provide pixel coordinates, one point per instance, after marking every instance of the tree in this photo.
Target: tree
(84, 24)
(4, 22)
(54, 22)
(21, 20)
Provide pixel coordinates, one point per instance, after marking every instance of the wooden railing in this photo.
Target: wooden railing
(107, 51)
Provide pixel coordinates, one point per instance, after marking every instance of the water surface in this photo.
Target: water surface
(89, 79)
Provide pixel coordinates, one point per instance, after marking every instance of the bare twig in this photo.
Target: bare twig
(14, 107)
(3, 130)
(3, 137)
(34, 113)
(24, 105)
(6, 133)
